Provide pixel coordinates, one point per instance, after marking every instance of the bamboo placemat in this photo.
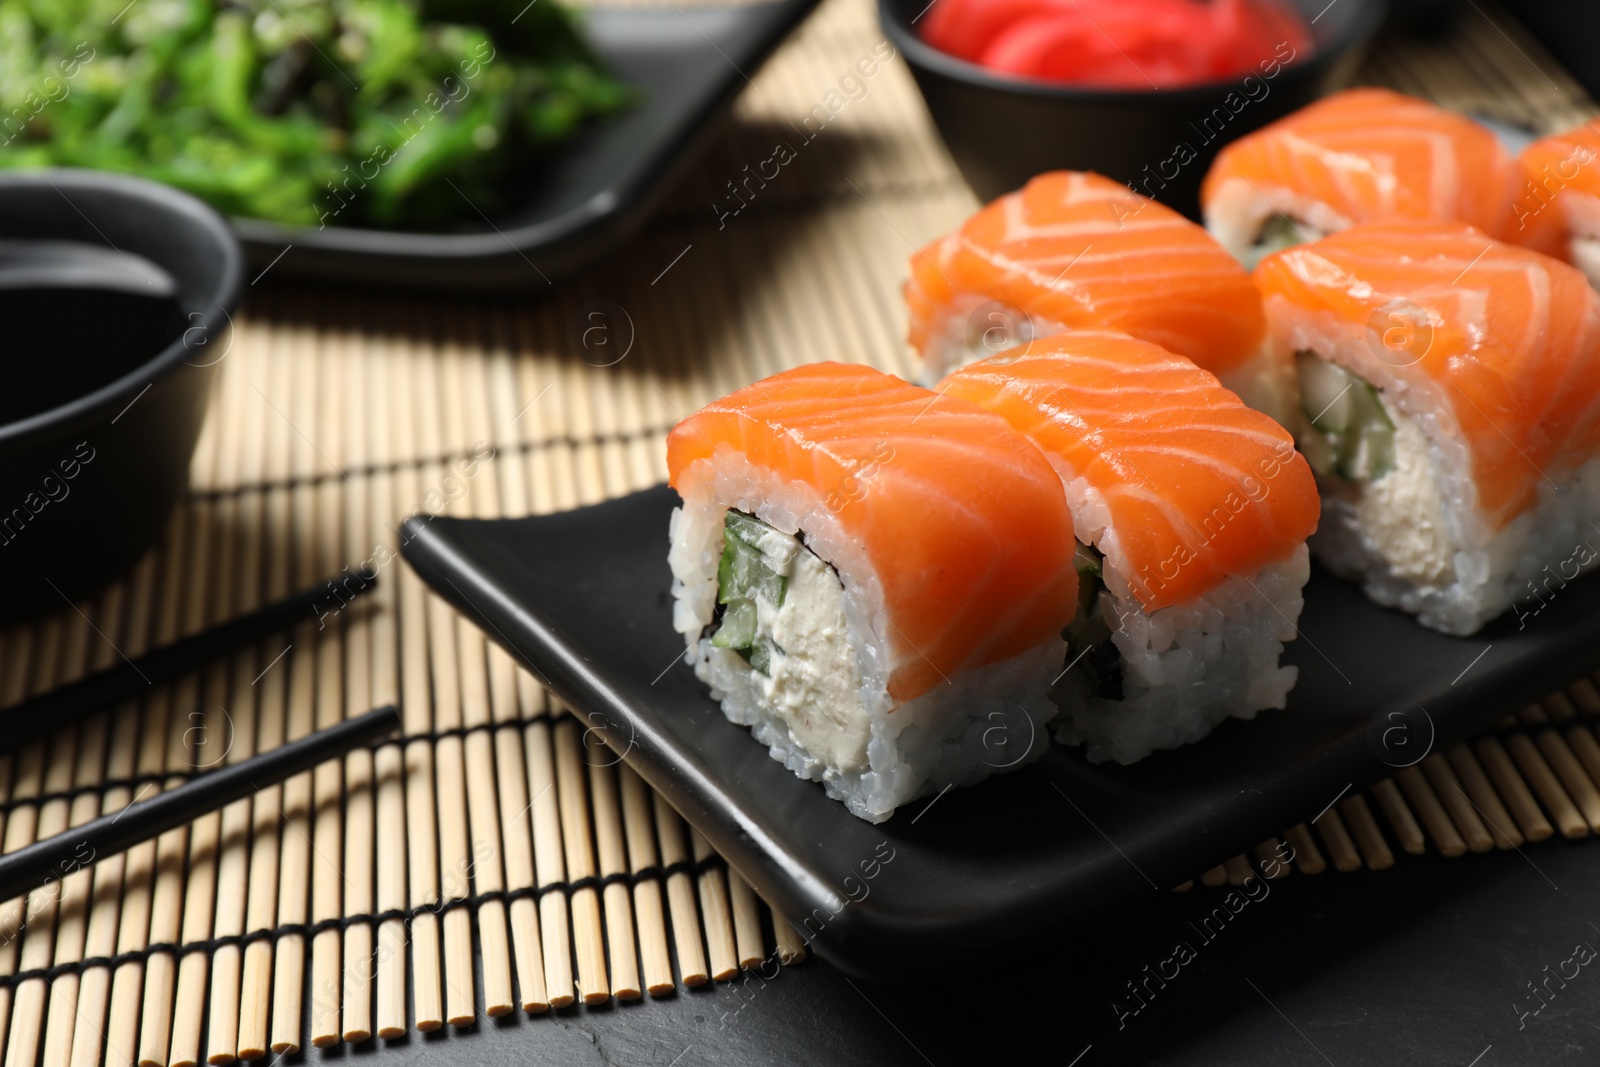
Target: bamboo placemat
(350, 902)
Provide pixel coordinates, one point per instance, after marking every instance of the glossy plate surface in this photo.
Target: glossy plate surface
(688, 63)
(582, 598)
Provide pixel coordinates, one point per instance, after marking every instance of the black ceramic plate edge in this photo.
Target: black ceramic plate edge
(1025, 857)
(690, 63)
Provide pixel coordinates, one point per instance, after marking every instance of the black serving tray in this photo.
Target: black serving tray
(688, 64)
(582, 598)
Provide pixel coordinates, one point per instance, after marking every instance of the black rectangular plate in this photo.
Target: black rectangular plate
(688, 63)
(582, 598)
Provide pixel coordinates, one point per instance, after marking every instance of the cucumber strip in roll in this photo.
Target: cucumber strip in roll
(743, 577)
(1354, 436)
(1090, 649)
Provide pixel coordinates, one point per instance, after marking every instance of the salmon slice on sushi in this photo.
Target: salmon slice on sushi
(1075, 250)
(1451, 386)
(874, 578)
(1190, 516)
(1363, 155)
(1557, 210)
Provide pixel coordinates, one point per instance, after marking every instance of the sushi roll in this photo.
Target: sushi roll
(1079, 251)
(1451, 386)
(1363, 155)
(873, 577)
(1557, 210)
(1190, 516)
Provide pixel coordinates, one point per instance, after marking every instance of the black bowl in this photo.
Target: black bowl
(1004, 130)
(118, 295)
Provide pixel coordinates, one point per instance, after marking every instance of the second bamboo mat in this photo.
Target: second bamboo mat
(351, 903)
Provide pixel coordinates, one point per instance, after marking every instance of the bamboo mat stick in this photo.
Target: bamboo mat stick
(389, 769)
(1543, 780)
(212, 745)
(21, 829)
(359, 829)
(1585, 696)
(1482, 796)
(324, 412)
(1267, 859)
(692, 970)
(538, 747)
(746, 921)
(38, 936)
(1307, 856)
(143, 861)
(1401, 819)
(294, 848)
(1216, 876)
(233, 864)
(266, 807)
(113, 908)
(422, 848)
(492, 696)
(514, 696)
(1338, 840)
(588, 939)
(642, 856)
(16, 652)
(202, 712)
(168, 896)
(715, 911)
(1447, 786)
(75, 887)
(88, 1017)
(72, 926)
(549, 862)
(1368, 838)
(1587, 750)
(1569, 771)
(1513, 790)
(1430, 812)
(1238, 870)
(1560, 707)
(791, 946)
(613, 856)
(389, 760)
(549, 487)
(455, 844)
(483, 813)
(455, 847)
(200, 882)
(274, 685)
(468, 488)
(233, 847)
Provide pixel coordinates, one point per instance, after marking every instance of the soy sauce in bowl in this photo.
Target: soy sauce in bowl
(117, 296)
(62, 343)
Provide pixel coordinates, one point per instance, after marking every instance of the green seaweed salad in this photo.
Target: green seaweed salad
(308, 112)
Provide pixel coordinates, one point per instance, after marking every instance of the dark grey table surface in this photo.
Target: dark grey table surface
(1427, 963)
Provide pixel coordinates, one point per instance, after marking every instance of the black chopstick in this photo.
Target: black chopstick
(37, 716)
(54, 858)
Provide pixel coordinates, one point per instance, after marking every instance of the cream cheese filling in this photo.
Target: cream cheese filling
(813, 677)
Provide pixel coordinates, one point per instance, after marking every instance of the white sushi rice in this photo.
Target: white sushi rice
(1585, 253)
(963, 335)
(1239, 210)
(1415, 541)
(1186, 667)
(1581, 214)
(1414, 538)
(867, 751)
